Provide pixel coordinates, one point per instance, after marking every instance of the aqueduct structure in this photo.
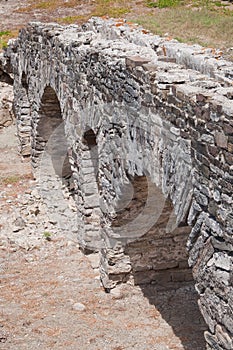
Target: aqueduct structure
(143, 128)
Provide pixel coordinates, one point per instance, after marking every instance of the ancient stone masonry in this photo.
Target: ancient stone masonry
(141, 131)
(6, 99)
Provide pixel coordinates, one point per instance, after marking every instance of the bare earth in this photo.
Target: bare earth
(10, 17)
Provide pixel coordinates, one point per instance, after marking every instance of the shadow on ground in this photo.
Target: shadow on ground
(178, 306)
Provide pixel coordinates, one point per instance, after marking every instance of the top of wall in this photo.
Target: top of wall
(193, 68)
(207, 61)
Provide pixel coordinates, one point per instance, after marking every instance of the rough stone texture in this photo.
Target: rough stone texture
(51, 255)
(141, 131)
(6, 100)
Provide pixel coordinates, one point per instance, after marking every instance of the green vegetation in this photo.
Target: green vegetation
(219, 4)
(111, 8)
(9, 180)
(202, 26)
(47, 235)
(206, 22)
(71, 19)
(48, 5)
(6, 35)
(163, 3)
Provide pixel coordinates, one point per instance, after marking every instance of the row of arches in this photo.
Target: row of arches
(157, 254)
(142, 214)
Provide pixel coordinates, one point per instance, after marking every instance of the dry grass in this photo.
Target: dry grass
(14, 179)
(72, 19)
(207, 22)
(111, 8)
(49, 5)
(200, 25)
(6, 35)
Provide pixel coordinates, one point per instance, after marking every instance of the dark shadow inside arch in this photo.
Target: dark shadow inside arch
(22, 110)
(50, 138)
(132, 200)
(24, 82)
(6, 78)
(91, 152)
(159, 258)
(90, 192)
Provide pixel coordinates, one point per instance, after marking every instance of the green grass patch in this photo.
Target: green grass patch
(72, 19)
(219, 4)
(3, 44)
(10, 180)
(49, 5)
(202, 26)
(111, 8)
(163, 3)
(4, 33)
(44, 5)
(4, 37)
(47, 235)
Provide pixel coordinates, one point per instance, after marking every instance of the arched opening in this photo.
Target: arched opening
(145, 223)
(131, 201)
(24, 82)
(91, 241)
(6, 78)
(50, 139)
(155, 247)
(23, 113)
(91, 153)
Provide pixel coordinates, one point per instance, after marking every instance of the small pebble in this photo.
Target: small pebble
(79, 307)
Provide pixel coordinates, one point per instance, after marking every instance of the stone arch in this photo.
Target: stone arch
(89, 186)
(49, 136)
(131, 200)
(24, 82)
(144, 227)
(23, 113)
(6, 78)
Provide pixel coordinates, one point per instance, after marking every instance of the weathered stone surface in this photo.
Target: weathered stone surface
(221, 139)
(144, 149)
(6, 100)
(135, 61)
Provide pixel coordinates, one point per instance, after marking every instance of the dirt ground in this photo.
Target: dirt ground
(12, 18)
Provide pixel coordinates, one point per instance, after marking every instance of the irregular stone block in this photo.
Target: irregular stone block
(135, 61)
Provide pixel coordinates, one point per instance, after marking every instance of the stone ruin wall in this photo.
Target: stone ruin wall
(146, 130)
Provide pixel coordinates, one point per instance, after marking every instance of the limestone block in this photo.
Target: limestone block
(6, 99)
(135, 61)
(221, 139)
(225, 340)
